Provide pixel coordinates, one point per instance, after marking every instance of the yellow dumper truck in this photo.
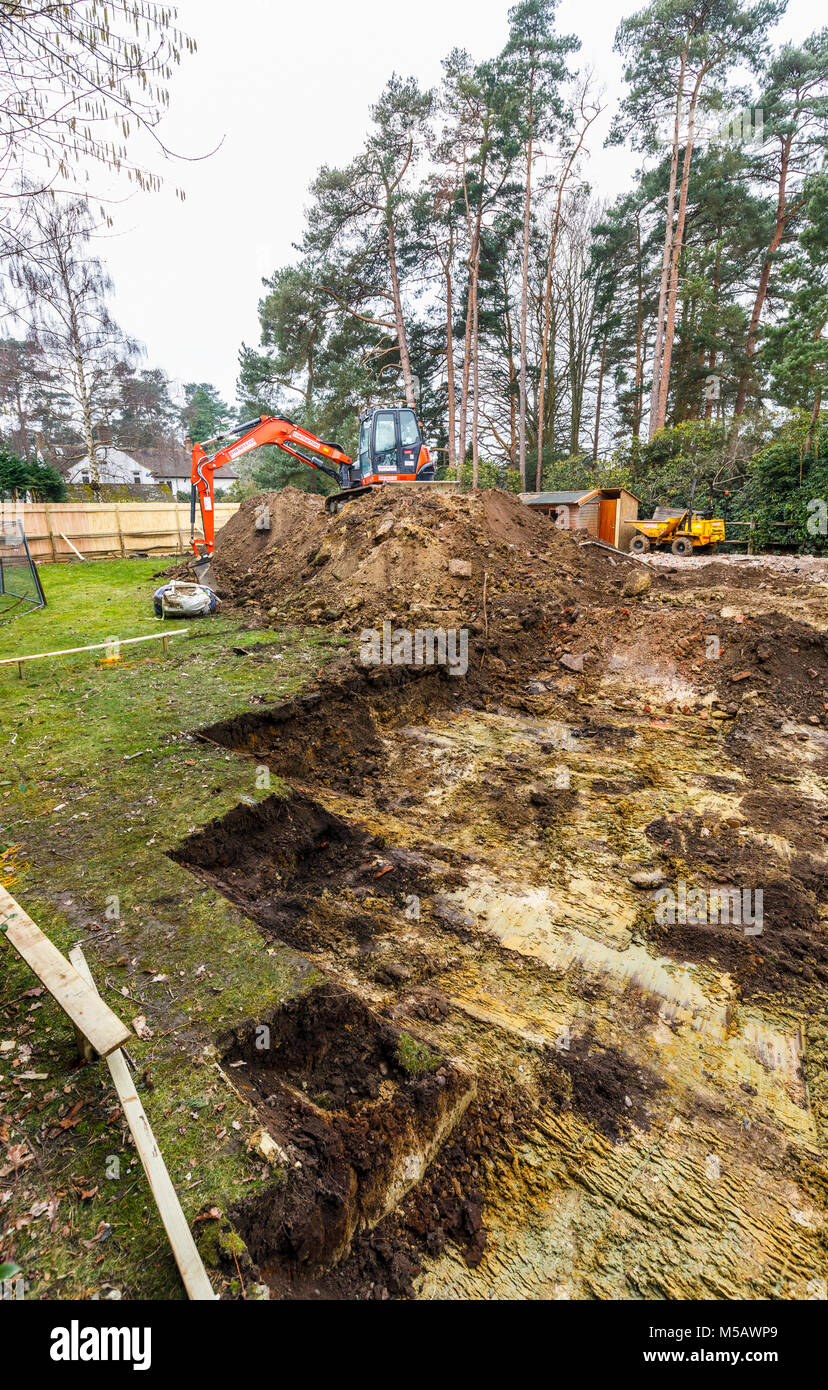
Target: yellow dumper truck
(683, 531)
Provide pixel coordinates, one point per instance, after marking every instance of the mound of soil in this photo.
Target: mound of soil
(390, 553)
(607, 1087)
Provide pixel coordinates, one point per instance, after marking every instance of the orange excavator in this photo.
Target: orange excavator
(391, 449)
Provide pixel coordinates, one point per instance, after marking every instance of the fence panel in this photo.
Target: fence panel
(105, 529)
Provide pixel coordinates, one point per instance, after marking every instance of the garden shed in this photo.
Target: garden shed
(606, 512)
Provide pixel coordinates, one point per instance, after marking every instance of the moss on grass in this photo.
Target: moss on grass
(415, 1057)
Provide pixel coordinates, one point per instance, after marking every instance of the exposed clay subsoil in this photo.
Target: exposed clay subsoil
(458, 855)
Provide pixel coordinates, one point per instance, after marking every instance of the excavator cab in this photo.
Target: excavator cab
(391, 446)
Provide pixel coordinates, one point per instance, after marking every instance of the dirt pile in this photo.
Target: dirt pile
(543, 610)
(389, 555)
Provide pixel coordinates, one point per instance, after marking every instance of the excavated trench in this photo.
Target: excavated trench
(516, 1083)
(356, 1109)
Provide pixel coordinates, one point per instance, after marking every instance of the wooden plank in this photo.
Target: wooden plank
(190, 1265)
(51, 538)
(83, 1005)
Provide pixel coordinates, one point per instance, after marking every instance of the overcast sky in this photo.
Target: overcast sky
(283, 89)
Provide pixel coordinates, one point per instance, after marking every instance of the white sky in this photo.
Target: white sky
(287, 88)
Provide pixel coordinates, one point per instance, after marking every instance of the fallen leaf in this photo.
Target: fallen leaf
(212, 1215)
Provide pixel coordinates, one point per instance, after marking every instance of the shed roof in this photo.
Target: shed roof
(558, 499)
(572, 499)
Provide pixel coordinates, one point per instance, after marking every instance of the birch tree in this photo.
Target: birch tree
(79, 79)
(64, 292)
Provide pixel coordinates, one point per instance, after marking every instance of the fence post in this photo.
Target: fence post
(51, 534)
(120, 532)
(750, 537)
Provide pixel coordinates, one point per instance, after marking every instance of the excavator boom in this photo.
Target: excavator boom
(254, 433)
(390, 449)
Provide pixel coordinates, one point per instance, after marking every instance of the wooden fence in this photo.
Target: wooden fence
(103, 529)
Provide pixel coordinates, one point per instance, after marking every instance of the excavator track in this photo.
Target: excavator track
(337, 500)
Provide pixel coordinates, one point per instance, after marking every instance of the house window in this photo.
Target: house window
(136, 477)
(85, 476)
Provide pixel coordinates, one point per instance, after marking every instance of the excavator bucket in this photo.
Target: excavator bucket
(202, 568)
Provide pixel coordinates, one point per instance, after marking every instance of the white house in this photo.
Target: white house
(174, 467)
(114, 468)
(143, 468)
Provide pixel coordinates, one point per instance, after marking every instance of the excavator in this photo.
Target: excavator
(391, 449)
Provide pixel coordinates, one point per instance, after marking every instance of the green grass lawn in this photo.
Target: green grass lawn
(99, 776)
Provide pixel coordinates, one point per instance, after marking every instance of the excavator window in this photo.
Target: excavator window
(385, 441)
(409, 430)
(365, 448)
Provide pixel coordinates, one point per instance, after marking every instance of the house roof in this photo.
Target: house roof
(176, 463)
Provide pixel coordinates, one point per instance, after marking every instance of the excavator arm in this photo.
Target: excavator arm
(266, 429)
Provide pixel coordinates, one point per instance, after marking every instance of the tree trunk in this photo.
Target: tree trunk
(761, 293)
(524, 300)
(464, 385)
(806, 448)
(547, 297)
(711, 359)
(546, 398)
(670, 325)
(510, 362)
(402, 337)
(598, 401)
(85, 403)
(638, 401)
(21, 424)
(88, 431)
(476, 367)
(665, 262)
(452, 406)
(811, 427)
(475, 234)
(587, 122)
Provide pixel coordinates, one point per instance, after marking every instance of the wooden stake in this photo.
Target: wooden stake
(71, 546)
(485, 614)
(190, 1265)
